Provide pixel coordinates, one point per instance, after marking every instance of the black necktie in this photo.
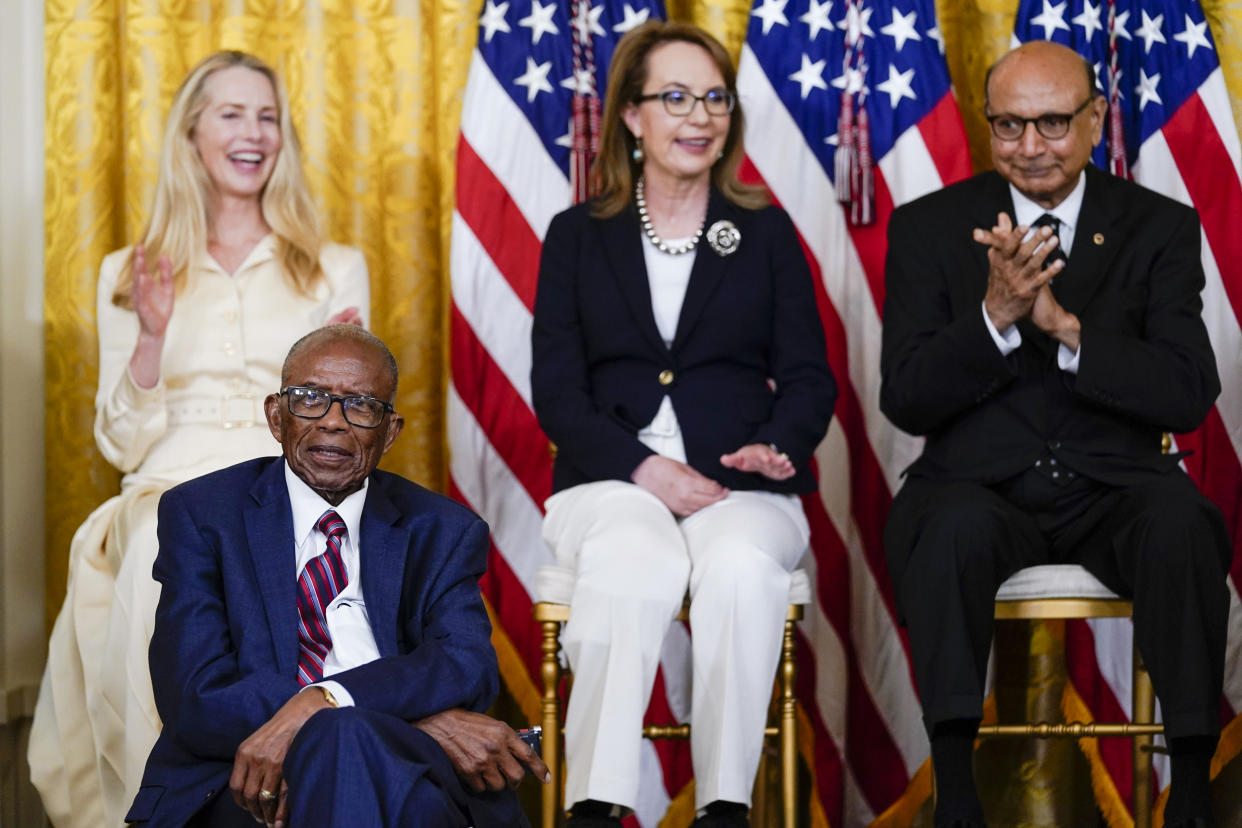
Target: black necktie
(1058, 254)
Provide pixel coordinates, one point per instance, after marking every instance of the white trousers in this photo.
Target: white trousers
(634, 561)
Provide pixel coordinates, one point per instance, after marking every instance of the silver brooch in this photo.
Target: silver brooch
(724, 237)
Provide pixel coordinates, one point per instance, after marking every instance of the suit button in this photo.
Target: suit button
(665, 377)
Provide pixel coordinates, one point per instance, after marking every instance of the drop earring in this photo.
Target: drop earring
(637, 153)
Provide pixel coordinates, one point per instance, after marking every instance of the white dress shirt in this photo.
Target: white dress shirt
(353, 643)
(1026, 212)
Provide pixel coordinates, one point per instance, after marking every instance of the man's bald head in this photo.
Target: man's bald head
(1044, 50)
(1043, 89)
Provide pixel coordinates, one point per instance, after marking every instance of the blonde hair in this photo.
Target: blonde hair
(179, 223)
(614, 170)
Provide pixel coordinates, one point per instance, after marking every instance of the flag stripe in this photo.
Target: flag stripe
(1200, 155)
(501, 412)
(498, 224)
(484, 298)
(942, 132)
(489, 487)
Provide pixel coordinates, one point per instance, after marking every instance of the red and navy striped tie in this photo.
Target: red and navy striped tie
(321, 580)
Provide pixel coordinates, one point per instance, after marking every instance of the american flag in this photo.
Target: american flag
(1172, 130)
(515, 171)
(833, 88)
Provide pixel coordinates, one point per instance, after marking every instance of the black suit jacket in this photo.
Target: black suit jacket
(1133, 279)
(225, 647)
(748, 318)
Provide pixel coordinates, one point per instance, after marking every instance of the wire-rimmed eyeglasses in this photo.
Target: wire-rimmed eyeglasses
(1051, 125)
(313, 403)
(679, 102)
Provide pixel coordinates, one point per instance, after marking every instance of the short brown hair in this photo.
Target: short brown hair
(614, 170)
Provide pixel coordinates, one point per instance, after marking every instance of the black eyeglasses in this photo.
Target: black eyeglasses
(314, 403)
(679, 102)
(1051, 125)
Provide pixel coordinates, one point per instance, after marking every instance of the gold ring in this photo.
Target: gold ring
(266, 795)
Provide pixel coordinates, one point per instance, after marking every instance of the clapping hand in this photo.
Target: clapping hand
(153, 296)
(349, 316)
(1020, 286)
(1016, 272)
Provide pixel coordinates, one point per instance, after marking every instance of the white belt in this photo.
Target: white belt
(226, 411)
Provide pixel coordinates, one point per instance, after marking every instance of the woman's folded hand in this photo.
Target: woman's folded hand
(682, 489)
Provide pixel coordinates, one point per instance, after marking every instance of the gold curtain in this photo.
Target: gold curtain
(376, 89)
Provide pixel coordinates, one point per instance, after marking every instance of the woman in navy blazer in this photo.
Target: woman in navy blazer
(680, 369)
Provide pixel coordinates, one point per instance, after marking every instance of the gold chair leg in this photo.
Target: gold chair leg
(789, 730)
(1143, 711)
(550, 670)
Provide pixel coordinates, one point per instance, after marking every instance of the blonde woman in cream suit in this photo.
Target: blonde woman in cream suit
(193, 325)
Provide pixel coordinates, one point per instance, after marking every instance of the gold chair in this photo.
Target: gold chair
(1063, 591)
(554, 587)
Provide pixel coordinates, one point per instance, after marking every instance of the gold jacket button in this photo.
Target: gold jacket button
(666, 377)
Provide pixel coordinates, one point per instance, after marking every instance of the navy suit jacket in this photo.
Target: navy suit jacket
(225, 648)
(748, 318)
(1133, 279)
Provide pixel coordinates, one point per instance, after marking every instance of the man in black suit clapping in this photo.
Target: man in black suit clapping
(1042, 328)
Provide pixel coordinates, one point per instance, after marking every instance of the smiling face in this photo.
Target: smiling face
(238, 132)
(333, 456)
(678, 146)
(1035, 79)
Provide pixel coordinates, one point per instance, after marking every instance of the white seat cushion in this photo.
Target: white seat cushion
(1053, 581)
(555, 585)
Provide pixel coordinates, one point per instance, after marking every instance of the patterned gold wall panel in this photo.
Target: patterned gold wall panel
(84, 220)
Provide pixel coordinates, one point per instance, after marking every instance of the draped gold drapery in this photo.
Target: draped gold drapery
(376, 89)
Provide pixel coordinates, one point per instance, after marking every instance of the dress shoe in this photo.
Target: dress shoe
(591, 813)
(592, 822)
(721, 814)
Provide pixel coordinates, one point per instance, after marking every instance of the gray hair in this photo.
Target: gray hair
(336, 333)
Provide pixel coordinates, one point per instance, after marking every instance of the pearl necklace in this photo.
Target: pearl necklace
(645, 220)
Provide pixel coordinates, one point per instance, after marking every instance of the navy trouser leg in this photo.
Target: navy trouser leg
(350, 767)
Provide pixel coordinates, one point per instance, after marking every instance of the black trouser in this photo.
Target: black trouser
(951, 544)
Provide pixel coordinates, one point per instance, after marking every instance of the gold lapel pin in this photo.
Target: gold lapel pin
(1098, 238)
